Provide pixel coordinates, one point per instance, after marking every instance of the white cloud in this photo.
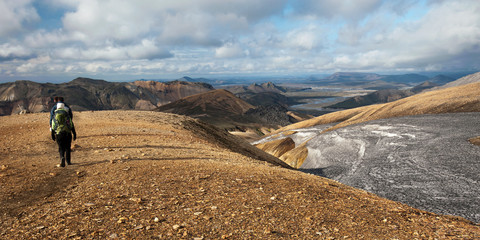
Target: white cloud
(303, 39)
(447, 35)
(10, 52)
(13, 15)
(217, 36)
(229, 50)
(147, 49)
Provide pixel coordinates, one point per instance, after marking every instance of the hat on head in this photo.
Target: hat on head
(60, 105)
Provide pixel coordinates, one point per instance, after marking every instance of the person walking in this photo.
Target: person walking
(62, 129)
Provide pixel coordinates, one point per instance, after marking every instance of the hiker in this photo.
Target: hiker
(62, 130)
(67, 108)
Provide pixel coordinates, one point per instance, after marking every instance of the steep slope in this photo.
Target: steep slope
(144, 175)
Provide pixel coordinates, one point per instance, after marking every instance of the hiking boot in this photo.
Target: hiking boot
(69, 163)
(63, 163)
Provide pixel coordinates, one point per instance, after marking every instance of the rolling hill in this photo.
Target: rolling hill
(147, 175)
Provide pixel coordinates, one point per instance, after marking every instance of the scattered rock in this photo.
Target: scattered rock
(135, 199)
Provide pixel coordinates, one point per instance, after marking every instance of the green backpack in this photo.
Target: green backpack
(61, 122)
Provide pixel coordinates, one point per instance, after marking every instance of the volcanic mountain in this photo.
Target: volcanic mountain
(225, 110)
(213, 104)
(265, 94)
(151, 175)
(257, 88)
(90, 94)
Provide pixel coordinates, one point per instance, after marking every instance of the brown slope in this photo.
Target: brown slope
(168, 92)
(216, 103)
(475, 140)
(147, 175)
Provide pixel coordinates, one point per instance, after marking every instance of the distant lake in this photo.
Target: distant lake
(318, 103)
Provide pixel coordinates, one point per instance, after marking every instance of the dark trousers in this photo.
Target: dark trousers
(64, 141)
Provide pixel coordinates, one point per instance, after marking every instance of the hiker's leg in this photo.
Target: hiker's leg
(68, 148)
(61, 148)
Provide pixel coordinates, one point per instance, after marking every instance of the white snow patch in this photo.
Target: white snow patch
(409, 135)
(315, 159)
(301, 137)
(386, 134)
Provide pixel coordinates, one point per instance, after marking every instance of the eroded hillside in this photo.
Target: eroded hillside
(142, 175)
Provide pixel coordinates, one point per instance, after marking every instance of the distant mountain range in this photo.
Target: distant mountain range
(390, 95)
(377, 81)
(91, 94)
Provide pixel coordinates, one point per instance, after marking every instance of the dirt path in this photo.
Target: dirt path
(143, 175)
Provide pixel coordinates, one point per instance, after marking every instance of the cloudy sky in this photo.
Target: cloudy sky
(132, 39)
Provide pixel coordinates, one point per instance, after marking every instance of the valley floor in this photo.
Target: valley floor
(146, 175)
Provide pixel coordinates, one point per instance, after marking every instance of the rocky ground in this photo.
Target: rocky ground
(160, 176)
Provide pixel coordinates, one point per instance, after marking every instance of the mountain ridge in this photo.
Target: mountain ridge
(93, 94)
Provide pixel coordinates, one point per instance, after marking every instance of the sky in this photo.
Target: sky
(58, 40)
